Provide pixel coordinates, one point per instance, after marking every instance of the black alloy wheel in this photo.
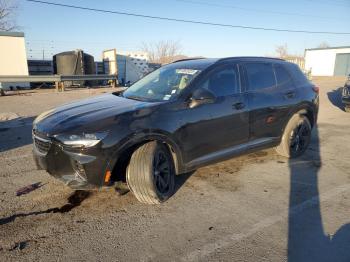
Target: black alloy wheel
(299, 138)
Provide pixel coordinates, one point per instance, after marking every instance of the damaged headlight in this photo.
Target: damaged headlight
(86, 140)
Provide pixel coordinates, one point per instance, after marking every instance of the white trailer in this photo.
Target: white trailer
(129, 66)
(13, 58)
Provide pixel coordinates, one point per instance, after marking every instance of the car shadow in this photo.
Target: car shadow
(307, 240)
(181, 179)
(335, 98)
(15, 133)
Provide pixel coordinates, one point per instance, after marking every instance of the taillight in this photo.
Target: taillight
(316, 89)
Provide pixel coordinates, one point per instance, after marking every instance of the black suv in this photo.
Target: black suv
(178, 118)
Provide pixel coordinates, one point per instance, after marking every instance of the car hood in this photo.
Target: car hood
(86, 115)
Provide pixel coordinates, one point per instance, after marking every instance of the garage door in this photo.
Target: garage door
(342, 65)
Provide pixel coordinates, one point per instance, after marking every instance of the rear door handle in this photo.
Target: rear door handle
(290, 94)
(238, 105)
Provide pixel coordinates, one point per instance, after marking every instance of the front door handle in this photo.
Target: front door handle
(238, 105)
(290, 94)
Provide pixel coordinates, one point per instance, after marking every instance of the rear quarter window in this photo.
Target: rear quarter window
(283, 77)
(298, 76)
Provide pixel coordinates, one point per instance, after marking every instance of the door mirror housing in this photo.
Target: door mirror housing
(201, 96)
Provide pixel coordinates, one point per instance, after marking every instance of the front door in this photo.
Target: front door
(211, 128)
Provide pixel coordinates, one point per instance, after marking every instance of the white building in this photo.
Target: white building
(330, 61)
(13, 57)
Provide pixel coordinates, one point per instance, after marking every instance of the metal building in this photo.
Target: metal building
(13, 57)
(330, 61)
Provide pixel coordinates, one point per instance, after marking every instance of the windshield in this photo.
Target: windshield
(164, 84)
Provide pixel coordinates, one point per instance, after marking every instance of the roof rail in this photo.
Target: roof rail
(187, 59)
(253, 57)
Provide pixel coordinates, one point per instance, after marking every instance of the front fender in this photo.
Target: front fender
(137, 139)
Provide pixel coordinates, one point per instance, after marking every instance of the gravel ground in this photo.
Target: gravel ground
(258, 207)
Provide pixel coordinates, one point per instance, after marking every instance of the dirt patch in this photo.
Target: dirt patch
(223, 175)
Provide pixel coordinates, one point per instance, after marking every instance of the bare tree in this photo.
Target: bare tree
(163, 51)
(282, 51)
(8, 10)
(323, 44)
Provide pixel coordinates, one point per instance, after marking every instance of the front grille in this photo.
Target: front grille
(346, 91)
(43, 145)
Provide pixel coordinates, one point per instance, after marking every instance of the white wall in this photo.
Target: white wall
(322, 62)
(13, 58)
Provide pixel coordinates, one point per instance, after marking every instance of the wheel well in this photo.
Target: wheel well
(119, 169)
(309, 114)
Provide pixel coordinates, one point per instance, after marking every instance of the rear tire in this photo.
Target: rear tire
(151, 173)
(296, 137)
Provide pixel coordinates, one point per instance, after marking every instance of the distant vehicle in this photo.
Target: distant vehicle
(346, 95)
(182, 116)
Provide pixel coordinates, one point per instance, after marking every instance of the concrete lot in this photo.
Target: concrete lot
(259, 207)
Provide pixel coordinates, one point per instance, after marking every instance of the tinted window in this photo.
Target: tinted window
(297, 74)
(223, 82)
(260, 75)
(284, 80)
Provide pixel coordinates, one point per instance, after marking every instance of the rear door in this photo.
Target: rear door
(270, 94)
(288, 91)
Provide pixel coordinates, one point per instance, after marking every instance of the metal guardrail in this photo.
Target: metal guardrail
(53, 78)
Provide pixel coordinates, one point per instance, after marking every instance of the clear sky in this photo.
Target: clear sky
(56, 29)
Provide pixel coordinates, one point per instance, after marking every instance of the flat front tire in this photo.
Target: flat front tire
(151, 173)
(296, 137)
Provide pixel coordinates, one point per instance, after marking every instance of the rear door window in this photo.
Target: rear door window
(260, 76)
(284, 80)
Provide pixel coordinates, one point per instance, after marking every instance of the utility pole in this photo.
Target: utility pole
(43, 54)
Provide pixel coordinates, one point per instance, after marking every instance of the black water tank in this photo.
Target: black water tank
(74, 63)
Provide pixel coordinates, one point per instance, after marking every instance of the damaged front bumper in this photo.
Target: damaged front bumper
(77, 168)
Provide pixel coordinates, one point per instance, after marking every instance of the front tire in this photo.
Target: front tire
(151, 173)
(347, 109)
(296, 137)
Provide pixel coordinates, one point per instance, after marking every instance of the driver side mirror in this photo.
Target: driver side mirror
(201, 96)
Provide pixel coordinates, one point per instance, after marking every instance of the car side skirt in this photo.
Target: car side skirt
(250, 146)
